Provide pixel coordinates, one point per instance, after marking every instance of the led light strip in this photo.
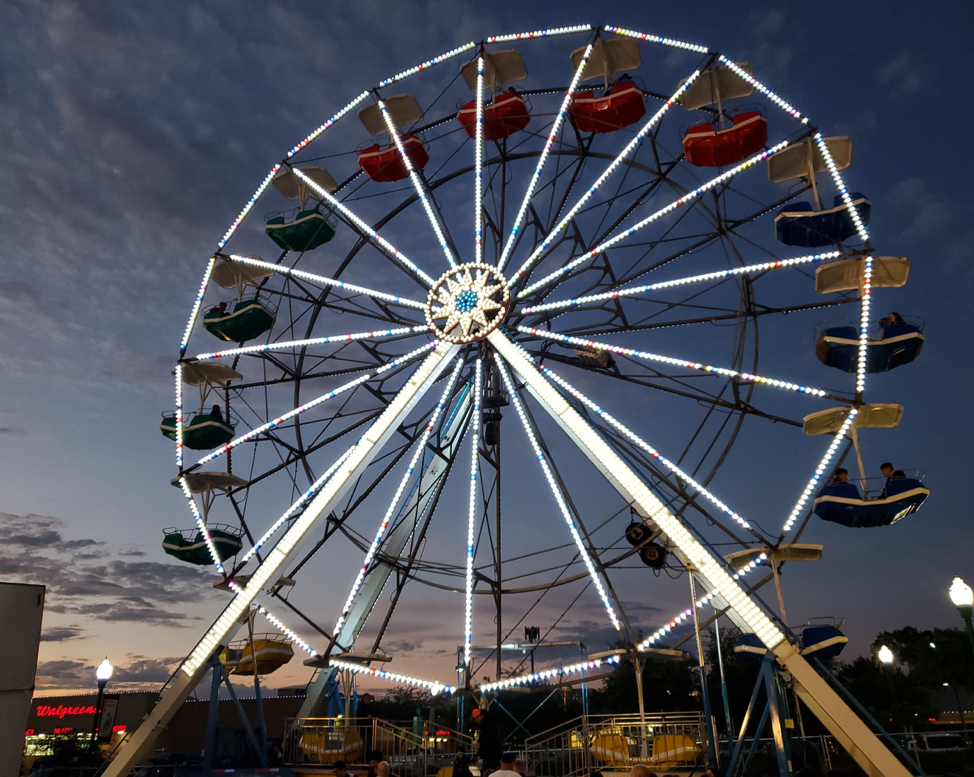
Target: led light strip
(434, 687)
(701, 603)
(677, 44)
(710, 276)
(277, 622)
(362, 452)
(201, 524)
(785, 106)
(421, 191)
(196, 305)
(539, 33)
(478, 194)
(315, 402)
(380, 533)
(325, 281)
(815, 481)
(555, 129)
(326, 125)
(475, 422)
(582, 550)
(178, 372)
(375, 236)
(840, 184)
(865, 305)
(570, 669)
(710, 568)
(426, 65)
(743, 376)
(250, 204)
(644, 445)
(613, 166)
(689, 197)
(346, 338)
(315, 488)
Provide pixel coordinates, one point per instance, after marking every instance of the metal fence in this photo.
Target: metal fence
(615, 742)
(413, 748)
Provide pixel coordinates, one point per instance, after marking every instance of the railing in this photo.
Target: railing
(598, 742)
(413, 748)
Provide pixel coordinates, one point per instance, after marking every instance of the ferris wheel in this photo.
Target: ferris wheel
(536, 255)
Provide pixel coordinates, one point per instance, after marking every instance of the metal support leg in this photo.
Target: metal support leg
(212, 716)
(262, 755)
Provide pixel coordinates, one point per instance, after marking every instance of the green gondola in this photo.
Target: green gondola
(249, 320)
(202, 433)
(190, 545)
(308, 230)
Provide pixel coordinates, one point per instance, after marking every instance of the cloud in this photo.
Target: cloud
(93, 584)
(11, 431)
(903, 74)
(61, 633)
(921, 210)
(134, 674)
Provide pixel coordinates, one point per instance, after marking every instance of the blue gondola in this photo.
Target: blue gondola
(749, 648)
(799, 224)
(838, 346)
(823, 642)
(843, 504)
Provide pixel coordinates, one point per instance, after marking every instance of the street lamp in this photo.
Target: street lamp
(963, 598)
(103, 674)
(885, 655)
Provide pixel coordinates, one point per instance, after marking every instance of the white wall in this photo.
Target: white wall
(21, 608)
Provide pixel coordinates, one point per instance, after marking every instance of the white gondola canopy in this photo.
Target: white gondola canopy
(294, 188)
(889, 272)
(403, 110)
(800, 160)
(205, 482)
(875, 416)
(715, 84)
(608, 57)
(232, 275)
(500, 67)
(208, 373)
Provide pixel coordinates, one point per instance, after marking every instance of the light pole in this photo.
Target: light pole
(963, 598)
(103, 674)
(885, 656)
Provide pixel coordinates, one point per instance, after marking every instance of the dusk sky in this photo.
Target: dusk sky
(132, 134)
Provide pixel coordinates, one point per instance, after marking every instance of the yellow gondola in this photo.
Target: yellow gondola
(271, 651)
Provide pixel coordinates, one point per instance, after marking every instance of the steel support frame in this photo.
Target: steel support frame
(268, 572)
(869, 752)
(430, 484)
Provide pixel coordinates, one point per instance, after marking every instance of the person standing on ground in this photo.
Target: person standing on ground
(490, 740)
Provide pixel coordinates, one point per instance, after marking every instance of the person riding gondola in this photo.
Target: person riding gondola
(216, 413)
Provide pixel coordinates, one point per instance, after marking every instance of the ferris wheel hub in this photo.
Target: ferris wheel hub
(467, 303)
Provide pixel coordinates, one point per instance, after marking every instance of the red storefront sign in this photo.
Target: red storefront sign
(60, 711)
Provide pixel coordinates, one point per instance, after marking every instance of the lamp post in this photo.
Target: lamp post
(963, 598)
(103, 674)
(885, 656)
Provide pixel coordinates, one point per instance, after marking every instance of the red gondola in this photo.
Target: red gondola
(502, 118)
(386, 165)
(623, 106)
(705, 146)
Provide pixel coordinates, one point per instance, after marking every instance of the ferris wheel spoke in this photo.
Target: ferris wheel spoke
(329, 282)
(619, 426)
(718, 275)
(253, 433)
(743, 377)
(691, 551)
(383, 525)
(525, 268)
(677, 203)
(422, 191)
(475, 420)
(556, 492)
(367, 231)
(376, 334)
(533, 183)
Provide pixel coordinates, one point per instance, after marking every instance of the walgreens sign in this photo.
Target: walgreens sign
(60, 711)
